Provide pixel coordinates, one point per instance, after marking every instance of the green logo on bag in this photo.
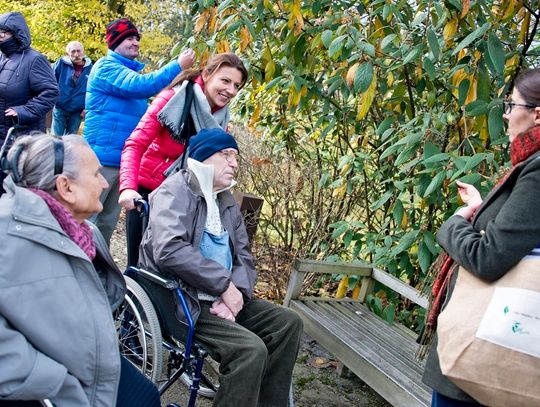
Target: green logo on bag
(517, 329)
(506, 310)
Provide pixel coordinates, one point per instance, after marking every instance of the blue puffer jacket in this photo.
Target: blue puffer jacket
(116, 99)
(72, 93)
(27, 83)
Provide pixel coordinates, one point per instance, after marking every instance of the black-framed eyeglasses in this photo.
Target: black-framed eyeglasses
(230, 155)
(3, 33)
(508, 106)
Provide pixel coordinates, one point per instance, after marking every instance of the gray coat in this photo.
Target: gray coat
(504, 230)
(171, 242)
(57, 335)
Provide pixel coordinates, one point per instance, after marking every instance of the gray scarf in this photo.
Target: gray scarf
(171, 114)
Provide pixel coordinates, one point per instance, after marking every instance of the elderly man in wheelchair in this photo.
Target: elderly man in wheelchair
(196, 235)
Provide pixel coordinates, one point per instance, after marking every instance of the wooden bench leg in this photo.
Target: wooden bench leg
(343, 371)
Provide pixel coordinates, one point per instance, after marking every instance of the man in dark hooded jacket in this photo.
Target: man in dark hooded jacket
(28, 88)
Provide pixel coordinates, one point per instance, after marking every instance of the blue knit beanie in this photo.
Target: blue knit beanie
(207, 142)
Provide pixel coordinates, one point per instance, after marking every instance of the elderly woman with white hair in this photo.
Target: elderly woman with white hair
(59, 284)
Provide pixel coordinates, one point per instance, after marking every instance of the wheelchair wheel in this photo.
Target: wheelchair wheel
(139, 332)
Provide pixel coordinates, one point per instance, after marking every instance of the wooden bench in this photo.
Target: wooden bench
(379, 353)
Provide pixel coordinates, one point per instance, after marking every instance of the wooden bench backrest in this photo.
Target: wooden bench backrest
(367, 272)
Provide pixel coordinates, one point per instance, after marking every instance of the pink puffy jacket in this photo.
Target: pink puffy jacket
(149, 150)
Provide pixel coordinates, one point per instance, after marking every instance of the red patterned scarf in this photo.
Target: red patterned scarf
(522, 147)
(80, 233)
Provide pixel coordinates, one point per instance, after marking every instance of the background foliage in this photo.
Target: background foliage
(364, 112)
(373, 109)
(55, 23)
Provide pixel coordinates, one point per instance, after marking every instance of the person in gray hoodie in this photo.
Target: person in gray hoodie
(59, 284)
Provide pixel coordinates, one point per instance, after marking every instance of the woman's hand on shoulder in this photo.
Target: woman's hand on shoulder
(126, 198)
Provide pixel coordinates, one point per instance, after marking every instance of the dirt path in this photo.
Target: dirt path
(315, 380)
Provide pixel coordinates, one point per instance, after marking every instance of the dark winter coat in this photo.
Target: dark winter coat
(72, 93)
(27, 82)
(504, 230)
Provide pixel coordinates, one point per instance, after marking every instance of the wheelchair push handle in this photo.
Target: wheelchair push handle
(11, 135)
(142, 206)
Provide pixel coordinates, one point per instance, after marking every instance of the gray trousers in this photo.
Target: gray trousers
(107, 219)
(256, 353)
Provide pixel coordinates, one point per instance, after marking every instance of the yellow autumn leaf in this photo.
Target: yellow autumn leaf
(342, 287)
(201, 21)
(256, 115)
(339, 192)
(345, 169)
(465, 6)
(404, 220)
(245, 38)
(483, 126)
(390, 79)
(366, 99)
(356, 290)
(509, 10)
(204, 57)
(471, 94)
(269, 70)
(457, 78)
(419, 71)
(212, 18)
(524, 28)
(351, 74)
(379, 26)
(450, 29)
(223, 46)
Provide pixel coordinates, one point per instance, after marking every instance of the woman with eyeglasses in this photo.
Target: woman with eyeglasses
(489, 237)
(160, 138)
(59, 285)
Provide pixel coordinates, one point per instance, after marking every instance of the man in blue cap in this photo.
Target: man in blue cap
(196, 233)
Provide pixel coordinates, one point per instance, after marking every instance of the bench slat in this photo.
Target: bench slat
(391, 353)
(378, 353)
(374, 336)
(400, 287)
(319, 267)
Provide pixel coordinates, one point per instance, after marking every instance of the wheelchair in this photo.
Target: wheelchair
(151, 335)
(153, 339)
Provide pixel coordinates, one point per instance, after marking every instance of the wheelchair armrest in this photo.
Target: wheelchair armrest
(153, 277)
